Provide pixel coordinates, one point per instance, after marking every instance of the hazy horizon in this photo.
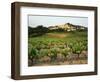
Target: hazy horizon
(35, 20)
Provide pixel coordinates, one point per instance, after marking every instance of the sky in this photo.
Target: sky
(35, 20)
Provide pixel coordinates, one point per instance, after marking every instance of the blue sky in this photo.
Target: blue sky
(35, 20)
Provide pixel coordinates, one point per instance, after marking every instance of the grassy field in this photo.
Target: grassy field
(58, 48)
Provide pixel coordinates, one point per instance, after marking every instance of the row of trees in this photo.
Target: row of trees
(39, 30)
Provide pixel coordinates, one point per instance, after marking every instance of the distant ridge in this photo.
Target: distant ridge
(67, 27)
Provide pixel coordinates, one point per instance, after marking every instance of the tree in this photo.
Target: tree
(66, 51)
(77, 48)
(53, 54)
(32, 55)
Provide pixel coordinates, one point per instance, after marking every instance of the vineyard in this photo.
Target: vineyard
(55, 48)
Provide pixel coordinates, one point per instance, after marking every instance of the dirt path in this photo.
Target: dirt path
(56, 35)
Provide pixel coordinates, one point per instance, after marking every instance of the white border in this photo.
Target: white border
(35, 70)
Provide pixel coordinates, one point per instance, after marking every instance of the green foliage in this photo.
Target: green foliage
(66, 51)
(32, 52)
(37, 31)
(76, 48)
(41, 46)
(43, 52)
